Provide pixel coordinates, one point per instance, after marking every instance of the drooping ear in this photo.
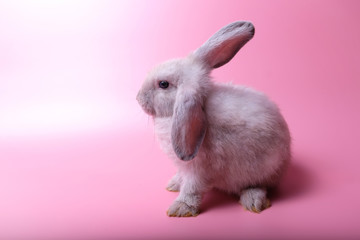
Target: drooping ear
(188, 124)
(220, 48)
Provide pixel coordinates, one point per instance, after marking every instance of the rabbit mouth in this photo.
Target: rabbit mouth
(148, 110)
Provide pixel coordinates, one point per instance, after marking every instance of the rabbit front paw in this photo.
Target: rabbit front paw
(173, 187)
(174, 184)
(181, 209)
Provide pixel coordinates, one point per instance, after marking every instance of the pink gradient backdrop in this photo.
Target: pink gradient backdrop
(79, 158)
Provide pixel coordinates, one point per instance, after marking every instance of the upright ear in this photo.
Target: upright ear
(225, 43)
(188, 125)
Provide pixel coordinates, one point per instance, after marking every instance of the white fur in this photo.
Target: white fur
(220, 136)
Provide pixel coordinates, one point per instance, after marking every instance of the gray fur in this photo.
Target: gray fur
(236, 137)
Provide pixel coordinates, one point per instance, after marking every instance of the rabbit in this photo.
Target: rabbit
(219, 135)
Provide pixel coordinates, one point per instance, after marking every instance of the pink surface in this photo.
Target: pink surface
(79, 158)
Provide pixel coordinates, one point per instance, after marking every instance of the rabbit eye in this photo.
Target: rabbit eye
(163, 84)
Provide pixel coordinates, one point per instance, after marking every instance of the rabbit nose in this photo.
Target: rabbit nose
(138, 96)
(141, 99)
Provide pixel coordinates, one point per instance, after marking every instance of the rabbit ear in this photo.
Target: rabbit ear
(225, 43)
(188, 125)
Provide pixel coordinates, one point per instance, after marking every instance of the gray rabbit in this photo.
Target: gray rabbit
(221, 136)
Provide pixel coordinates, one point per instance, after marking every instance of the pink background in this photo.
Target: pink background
(79, 158)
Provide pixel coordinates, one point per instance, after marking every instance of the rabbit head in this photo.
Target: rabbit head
(178, 88)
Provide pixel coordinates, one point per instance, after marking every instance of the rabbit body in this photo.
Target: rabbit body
(219, 135)
(247, 142)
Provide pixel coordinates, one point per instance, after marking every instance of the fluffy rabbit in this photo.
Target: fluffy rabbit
(221, 136)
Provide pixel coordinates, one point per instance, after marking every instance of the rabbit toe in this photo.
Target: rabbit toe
(254, 200)
(173, 187)
(181, 209)
(174, 184)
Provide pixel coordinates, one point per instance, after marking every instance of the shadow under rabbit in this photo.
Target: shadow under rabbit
(296, 182)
